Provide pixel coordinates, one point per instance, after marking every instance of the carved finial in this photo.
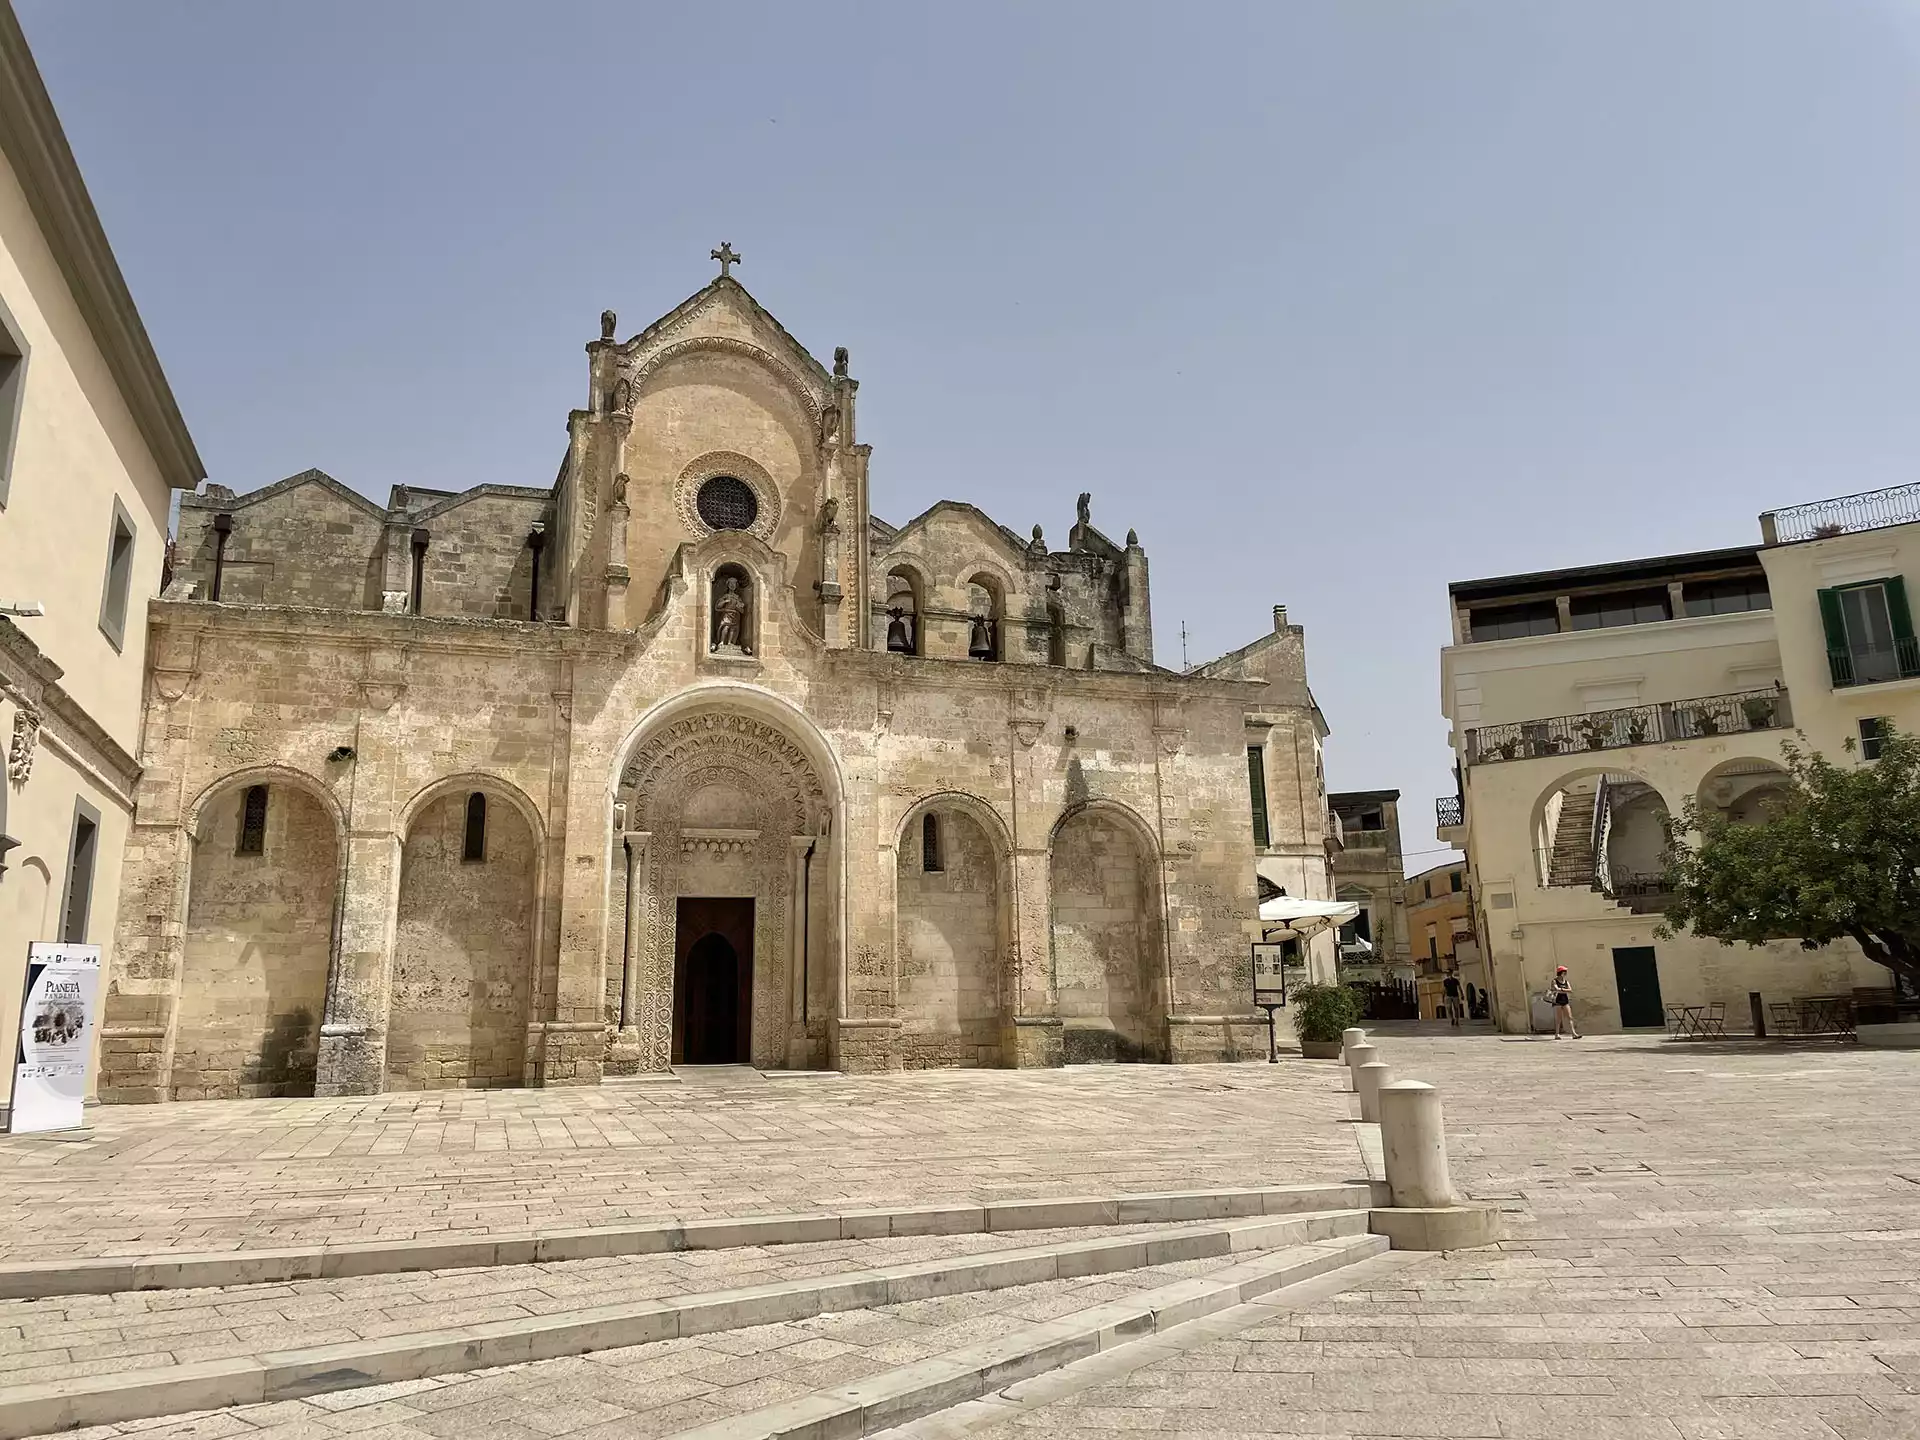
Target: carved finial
(1039, 540)
(1083, 507)
(840, 361)
(727, 256)
(1133, 539)
(608, 320)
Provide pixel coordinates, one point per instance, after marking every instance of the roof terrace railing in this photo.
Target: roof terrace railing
(1843, 515)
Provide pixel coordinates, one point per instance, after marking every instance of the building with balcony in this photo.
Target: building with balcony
(1588, 704)
(1438, 911)
(1368, 871)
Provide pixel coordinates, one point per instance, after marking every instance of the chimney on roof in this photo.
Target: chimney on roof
(1279, 618)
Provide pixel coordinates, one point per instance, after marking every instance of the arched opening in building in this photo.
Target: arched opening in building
(985, 614)
(463, 946)
(903, 612)
(952, 930)
(1605, 832)
(713, 982)
(260, 935)
(1107, 938)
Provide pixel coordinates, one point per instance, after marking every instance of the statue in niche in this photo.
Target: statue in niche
(620, 489)
(830, 426)
(830, 515)
(729, 616)
(622, 396)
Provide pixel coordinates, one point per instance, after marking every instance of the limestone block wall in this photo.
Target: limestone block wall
(950, 944)
(463, 952)
(478, 562)
(307, 540)
(259, 939)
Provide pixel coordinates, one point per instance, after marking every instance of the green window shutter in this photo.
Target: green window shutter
(1257, 787)
(1902, 620)
(1839, 659)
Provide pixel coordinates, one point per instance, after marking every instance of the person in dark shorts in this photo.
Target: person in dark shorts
(1451, 987)
(1561, 993)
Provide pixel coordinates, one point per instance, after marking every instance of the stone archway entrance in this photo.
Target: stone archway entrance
(721, 955)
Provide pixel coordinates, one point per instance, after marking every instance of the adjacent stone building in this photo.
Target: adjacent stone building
(687, 758)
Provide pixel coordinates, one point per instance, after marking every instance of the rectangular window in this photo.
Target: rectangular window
(13, 387)
(1727, 597)
(1257, 788)
(473, 845)
(1872, 732)
(80, 863)
(1372, 820)
(1869, 632)
(1625, 607)
(253, 822)
(1426, 888)
(930, 844)
(1453, 882)
(119, 581)
(1511, 622)
(1433, 947)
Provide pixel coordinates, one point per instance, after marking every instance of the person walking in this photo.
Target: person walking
(1561, 993)
(1451, 987)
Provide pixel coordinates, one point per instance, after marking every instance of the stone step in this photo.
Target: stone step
(291, 1374)
(325, 1262)
(908, 1392)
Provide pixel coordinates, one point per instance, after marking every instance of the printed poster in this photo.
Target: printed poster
(57, 1017)
(1269, 975)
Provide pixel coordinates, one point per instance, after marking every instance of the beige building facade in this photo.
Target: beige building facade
(687, 758)
(92, 448)
(1588, 704)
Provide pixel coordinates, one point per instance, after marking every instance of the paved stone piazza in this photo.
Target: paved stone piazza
(1704, 1241)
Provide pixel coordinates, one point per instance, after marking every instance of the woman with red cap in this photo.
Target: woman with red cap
(1561, 993)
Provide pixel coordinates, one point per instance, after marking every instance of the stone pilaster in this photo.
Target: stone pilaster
(353, 1035)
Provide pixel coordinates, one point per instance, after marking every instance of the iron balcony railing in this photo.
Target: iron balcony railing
(1633, 725)
(1843, 515)
(1898, 661)
(1450, 810)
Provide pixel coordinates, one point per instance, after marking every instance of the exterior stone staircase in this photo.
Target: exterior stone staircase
(1571, 861)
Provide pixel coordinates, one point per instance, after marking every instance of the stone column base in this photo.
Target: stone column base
(130, 1072)
(625, 1054)
(1447, 1227)
(866, 1047)
(353, 1061)
(1033, 1042)
(1212, 1039)
(574, 1052)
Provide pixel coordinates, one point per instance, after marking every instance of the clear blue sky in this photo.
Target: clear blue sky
(1335, 302)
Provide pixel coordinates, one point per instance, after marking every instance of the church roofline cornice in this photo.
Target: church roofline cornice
(443, 634)
(220, 498)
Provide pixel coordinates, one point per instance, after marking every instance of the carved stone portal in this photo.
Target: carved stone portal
(728, 805)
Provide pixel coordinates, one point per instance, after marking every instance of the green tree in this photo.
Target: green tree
(1838, 857)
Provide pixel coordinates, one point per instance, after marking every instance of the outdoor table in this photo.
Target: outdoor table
(1826, 1014)
(1684, 1020)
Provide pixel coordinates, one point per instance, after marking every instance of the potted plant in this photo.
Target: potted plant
(1509, 748)
(1759, 711)
(1637, 730)
(1708, 721)
(1320, 1014)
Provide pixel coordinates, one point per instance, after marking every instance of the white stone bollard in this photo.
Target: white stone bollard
(1367, 1081)
(1350, 1038)
(1355, 1057)
(1413, 1138)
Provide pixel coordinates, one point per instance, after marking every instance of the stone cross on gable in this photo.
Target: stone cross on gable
(727, 256)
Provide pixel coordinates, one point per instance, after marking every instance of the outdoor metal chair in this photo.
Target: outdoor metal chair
(1714, 1021)
(1784, 1017)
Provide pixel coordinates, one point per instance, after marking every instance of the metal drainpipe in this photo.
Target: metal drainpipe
(222, 528)
(806, 929)
(626, 936)
(537, 541)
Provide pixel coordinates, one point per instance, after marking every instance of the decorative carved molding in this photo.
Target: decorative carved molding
(752, 473)
(26, 730)
(170, 685)
(1027, 731)
(804, 391)
(1171, 738)
(381, 694)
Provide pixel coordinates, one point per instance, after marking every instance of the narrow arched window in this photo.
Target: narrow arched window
(930, 844)
(475, 847)
(253, 822)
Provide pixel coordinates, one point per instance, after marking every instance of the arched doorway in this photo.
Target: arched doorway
(726, 833)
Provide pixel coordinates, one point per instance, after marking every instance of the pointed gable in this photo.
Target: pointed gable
(722, 315)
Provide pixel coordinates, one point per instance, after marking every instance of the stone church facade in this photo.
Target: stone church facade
(687, 758)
